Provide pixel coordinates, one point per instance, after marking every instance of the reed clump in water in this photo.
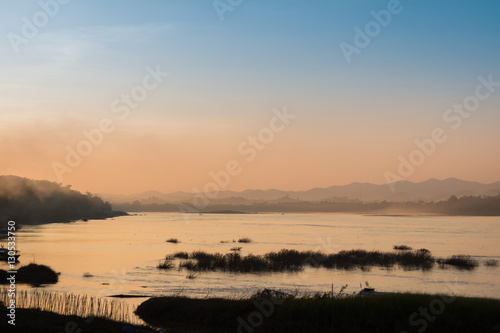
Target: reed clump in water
(402, 247)
(293, 260)
(460, 261)
(245, 240)
(173, 240)
(166, 263)
(181, 255)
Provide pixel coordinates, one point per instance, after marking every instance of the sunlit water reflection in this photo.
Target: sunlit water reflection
(122, 253)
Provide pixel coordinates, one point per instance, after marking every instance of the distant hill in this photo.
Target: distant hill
(28, 201)
(430, 190)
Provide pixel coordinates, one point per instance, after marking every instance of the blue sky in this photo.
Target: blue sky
(226, 76)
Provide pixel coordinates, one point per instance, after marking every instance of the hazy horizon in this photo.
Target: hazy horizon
(311, 188)
(126, 97)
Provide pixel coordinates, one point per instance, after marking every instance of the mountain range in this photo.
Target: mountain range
(429, 190)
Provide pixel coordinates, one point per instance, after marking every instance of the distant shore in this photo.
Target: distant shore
(464, 206)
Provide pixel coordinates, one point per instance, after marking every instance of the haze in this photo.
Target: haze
(350, 117)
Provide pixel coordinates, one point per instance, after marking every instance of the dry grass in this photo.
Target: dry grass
(72, 304)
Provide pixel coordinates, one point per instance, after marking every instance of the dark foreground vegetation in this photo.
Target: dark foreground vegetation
(375, 313)
(29, 201)
(466, 205)
(30, 320)
(33, 274)
(293, 260)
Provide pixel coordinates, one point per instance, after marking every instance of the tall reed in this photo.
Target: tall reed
(74, 304)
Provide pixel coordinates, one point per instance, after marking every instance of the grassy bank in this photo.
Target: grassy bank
(68, 304)
(30, 320)
(377, 313)
(293, 260)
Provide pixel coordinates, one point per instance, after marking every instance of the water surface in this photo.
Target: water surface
(122, 253)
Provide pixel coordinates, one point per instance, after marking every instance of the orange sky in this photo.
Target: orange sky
(176, 94)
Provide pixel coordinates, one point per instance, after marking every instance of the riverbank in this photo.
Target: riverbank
(29, 320)
(271, 311)
(323, 313)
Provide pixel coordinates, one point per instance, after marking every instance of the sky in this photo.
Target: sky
(129, 96)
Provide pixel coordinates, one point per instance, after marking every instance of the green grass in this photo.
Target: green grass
(377, 313)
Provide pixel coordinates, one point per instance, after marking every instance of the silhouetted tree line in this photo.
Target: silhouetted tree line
(467, 205)
(29, 201)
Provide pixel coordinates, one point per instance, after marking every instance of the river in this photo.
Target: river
(121, 254)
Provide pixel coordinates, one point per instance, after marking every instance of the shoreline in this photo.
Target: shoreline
(277, 312)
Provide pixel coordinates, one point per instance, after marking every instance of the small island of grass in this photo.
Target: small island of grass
(33, 274)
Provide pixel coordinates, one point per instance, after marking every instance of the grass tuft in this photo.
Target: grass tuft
(460, 261)
(166, 263)
(173, 240)
(292, 260)
(402, 247)
(244, 240)
(491, 263)
(181, 255)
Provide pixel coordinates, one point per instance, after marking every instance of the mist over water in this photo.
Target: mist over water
(122, 253)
